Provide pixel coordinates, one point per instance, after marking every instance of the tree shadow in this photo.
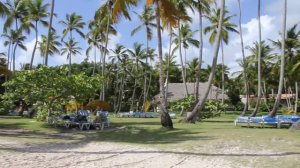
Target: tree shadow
(139, 135)
(20, 133)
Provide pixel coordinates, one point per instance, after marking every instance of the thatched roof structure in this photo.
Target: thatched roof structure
(176, 91)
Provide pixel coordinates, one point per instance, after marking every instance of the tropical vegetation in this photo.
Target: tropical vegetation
(131, 76)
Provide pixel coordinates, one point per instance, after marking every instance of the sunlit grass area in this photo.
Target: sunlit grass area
(212, 137)
(148, 131)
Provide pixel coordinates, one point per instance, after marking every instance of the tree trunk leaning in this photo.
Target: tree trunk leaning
(195, 113)
(282, 58)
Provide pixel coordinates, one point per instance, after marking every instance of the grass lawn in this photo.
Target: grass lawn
(212, 137)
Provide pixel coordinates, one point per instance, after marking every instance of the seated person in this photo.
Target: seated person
(99, 116)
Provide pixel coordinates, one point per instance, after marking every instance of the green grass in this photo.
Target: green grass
(148, 131)
(209, 137)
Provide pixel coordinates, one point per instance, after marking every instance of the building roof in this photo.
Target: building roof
(283, 96)
(176, 91)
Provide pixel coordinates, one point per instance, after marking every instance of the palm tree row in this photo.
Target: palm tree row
(22, 16)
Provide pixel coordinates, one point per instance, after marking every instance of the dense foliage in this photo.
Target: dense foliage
(50, 87)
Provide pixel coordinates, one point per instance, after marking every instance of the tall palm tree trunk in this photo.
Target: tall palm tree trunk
(223, 75)
(181, 61)
(14, 58)
(145, 76)
(150, 80)
(105, 48)
(165, 117)
(168, 63)
(258, 64)
(70, 56)
(193, 116)
(121, 95)
(244, 60)
(281, 78)
(95, 60)
(8, 56)
(100, 71)
(70, 64)
(296, 98)
(200, 54)
(49, 32)
(133, 95)
(35, 45)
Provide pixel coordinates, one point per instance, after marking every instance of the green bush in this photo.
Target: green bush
(42, 114)
(186, 103)
(212, 109)
(239, 106)
(4, 108)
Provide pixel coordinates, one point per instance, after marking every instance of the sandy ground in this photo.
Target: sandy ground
(98, 155)
(16, 154)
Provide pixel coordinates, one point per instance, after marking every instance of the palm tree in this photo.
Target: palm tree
(112, 10)
(93, 44)
(97, 35)
(192, 117)
(119, 57)
(8, 42)
(147, 18)
(17, 41)
(192, 70)
(37, 11)
(186, 37)
(73, 22)
(203, 7)
(71, 48)
(3, 10)
(280, 85)
(258, 62)
(54, 43)
(244, 59)
(137, 54)
(181, 6)
(228, 26)
(49, 32)
(164, 9)
(16, 11)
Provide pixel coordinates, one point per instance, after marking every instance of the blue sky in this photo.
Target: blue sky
(271, 19)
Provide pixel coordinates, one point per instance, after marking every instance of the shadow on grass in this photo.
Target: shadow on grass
(19, 133)
(140, 135)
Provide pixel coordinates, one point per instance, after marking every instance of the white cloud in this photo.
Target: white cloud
(275, 8)
(23, 57)
(250, 35)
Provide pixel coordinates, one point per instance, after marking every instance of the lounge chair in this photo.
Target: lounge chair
(287, 119)
(241, 119)
(267, 120)
(81, 120)
(103, 121)
(248, 120)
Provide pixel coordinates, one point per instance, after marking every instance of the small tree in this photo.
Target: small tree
(50, 87)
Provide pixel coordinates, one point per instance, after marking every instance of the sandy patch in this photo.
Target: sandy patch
(19, 154)
(94, 154)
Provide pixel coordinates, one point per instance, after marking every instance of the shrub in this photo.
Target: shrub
(239, 106)
(185, 103)
(286, 110)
